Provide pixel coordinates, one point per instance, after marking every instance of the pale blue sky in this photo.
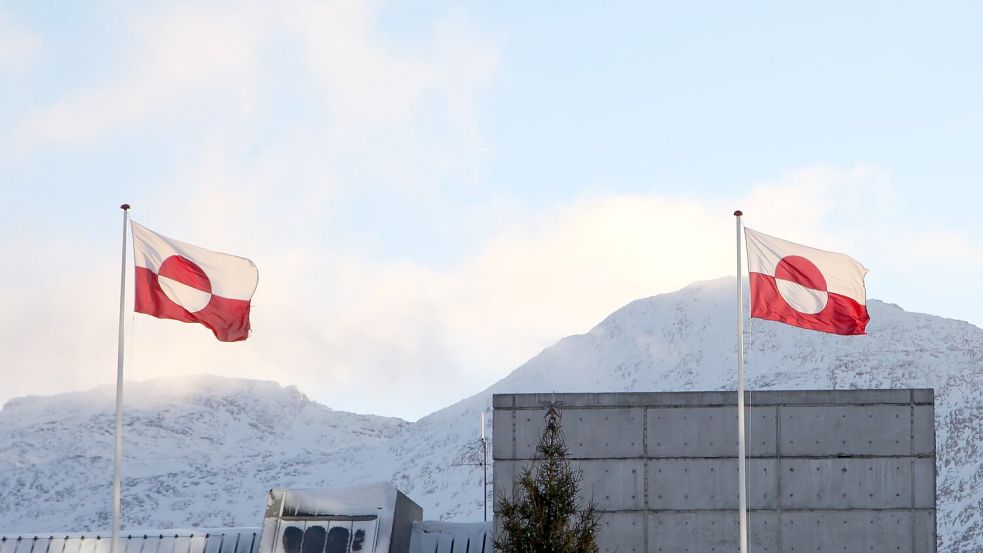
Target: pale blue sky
(436, 191)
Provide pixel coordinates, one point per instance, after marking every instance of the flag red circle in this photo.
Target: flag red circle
(801, 271)
(801, 284)
(185, 283)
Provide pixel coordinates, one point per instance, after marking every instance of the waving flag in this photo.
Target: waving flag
(805, 287)
(179, 281)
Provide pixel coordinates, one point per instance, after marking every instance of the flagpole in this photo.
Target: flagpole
(118, 448)
(484, 464)
(741, 461)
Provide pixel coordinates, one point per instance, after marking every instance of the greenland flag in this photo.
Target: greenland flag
(805, 287)
(186, 283)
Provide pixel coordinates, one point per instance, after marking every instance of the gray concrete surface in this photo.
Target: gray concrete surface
(844, 471)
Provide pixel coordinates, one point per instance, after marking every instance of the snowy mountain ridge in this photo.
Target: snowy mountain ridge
(202, 451)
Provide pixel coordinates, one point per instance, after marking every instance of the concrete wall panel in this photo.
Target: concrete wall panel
(846, 430)
(529, 425)
(710, 531)
(925, 531)
(850, 531)
(502, 421)
(923, 441)
(708, 432)
(503, 401)
(923, 396)
(505, 476)
(622, 532)
(882, 483)
(615, 485)
(833, 397)
(682, 484)
(502, 478)
(575, 401)
(590, 433)
(924, 468)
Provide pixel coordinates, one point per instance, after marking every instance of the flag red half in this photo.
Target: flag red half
(179, 281)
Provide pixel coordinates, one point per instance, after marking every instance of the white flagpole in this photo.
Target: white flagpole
(741, 461)
(118, 449)
(484, 464)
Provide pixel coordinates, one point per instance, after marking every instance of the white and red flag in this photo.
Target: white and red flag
(805, 287)
(179, 281)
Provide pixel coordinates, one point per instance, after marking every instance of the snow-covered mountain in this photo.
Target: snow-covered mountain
(199, 451)
(202, 452)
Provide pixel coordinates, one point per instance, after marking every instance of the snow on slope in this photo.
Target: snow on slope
(198, 451)
(206, 457)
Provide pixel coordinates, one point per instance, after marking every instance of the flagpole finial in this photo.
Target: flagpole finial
(125, 207)
(738, 213)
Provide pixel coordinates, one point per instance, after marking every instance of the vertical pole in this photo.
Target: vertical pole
(118, 449)
(484, 464)
(741, 461)
(484, 446)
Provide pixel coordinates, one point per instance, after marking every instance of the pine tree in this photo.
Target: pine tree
(542, 516)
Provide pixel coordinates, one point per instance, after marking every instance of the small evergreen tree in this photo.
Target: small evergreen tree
(542, 516)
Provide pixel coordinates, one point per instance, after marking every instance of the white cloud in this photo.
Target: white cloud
(19, 47)
(183, 60)
(175, 54)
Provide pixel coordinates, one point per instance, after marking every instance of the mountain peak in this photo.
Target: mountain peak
(157, 391)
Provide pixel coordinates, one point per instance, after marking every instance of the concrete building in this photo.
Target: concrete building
(375, 518)
(828, 471)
